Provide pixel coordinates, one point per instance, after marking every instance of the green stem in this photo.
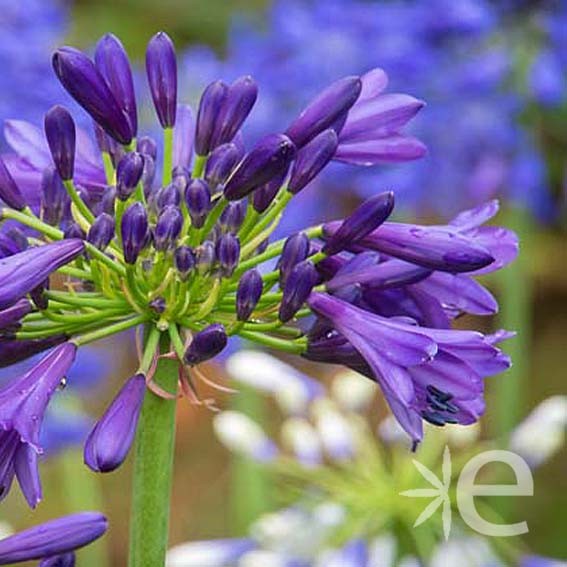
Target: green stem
(153, 467)
(293, 347)
(199, 166)
(108, 330)
(77, 201)
(213, 216)
(271, 214)
(167, 155)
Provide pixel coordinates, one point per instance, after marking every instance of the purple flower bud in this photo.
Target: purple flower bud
(221, 163)
(210, 107)
(298, 286)
(87, 86)
(167, 196)
(248, 294)
(263, 196)
(206, 344)
(233, 216)
(109, 442)
(295, 250)
(271, 155)
(16, 350)
(365, 219)
(74, 231)
(128, 174)
(135, 232)
(168, 228)
(102, 231)
(228, 254)
(60, 134)
(9, 192)
(24, 271)
(161, 68)
(240, 98)
(108, 199)
(113, 64)
(63, 560)
(180, 178)
(13, 314)
(12, 241)
(53, 538)
(148, 175)
(206, 256)
(198, 201)
(147, 146)
(325, 110)
(311, 159)
(54, 197)
(184, 260)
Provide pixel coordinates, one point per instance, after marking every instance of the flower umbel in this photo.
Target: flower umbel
(187, 258)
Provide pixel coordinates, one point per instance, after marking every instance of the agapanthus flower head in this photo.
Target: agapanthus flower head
(186, 258)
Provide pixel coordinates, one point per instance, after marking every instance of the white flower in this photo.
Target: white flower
(292, 390)
(335, 431)
(301, 438)
(352, 391)
(213, 553)
(242, 435)
(542, 433)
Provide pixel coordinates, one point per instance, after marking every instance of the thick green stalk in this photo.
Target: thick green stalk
(153, 466)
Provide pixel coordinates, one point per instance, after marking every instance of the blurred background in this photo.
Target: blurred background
(494, 77)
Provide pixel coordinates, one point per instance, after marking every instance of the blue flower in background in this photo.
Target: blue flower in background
(453, 54)
(29, 30)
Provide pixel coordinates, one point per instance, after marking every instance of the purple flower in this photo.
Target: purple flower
(135, 232)
(325, 111)
(248, 294)
(26, 270)
(9, 192)
(54, 198)
(206, 344)
(299, 284)
(14, 350)
(60, 134)
(198, 201)
(87, 86)
(183, 137)
(161, 68)
(62, 560)
(109, 442)
(184, 259)
(425, 373)
(55, 537)
(113, 64)
(210, 106)
(228, 253)
(12, 315)
(271, 155)
(22, 406)
(101, 231)
(128, 174)
(168, 228)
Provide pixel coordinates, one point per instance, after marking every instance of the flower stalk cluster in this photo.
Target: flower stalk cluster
(190, 258)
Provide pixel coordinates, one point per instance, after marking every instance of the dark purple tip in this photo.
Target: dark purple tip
(206, 344)
(198, 201)
(110, 440)
(210, 107)
(311, 159)
(13, 314)
(102, 231)
(271, 155)
(299, 284)
(161, 68)
(168, 228)
(107, 203)
(87, 86)
(228, 254)
(248, 294)
(366, 218)
(295, 250)
(221, 163)
(15, 350)
(135, 232)
(325, 111)
(263, 197)
(167, 196)
(206, 256)
(147, 146)
(233, 216)
(54, 197)
(128, 174)
(113, 64)
(9, 192)
(240, 98)
(60, 134)
(184, 259)
(74, 231)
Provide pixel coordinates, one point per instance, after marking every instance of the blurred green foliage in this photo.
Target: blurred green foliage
(134, 21)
